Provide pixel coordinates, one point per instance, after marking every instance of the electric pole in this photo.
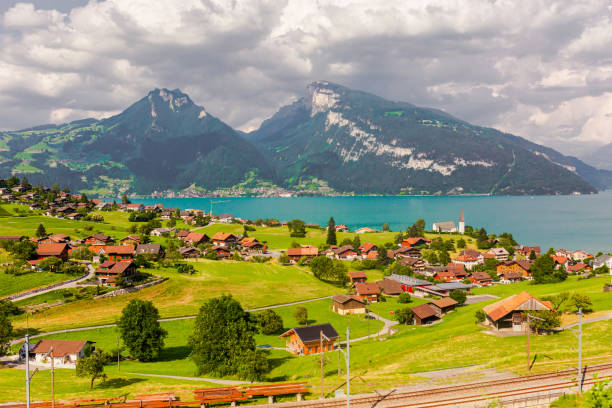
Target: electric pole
(580, 350)
(348, 369)
(528, 328)
(27, 347)
(118, 355)
(321, 354)
(52, 378)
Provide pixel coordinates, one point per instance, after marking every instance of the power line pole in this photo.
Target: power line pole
(580, 350)
(27, 347)
(52, 378)
(118, 354)
(321, 354)
(348, 369)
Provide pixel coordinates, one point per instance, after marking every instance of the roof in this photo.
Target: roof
(423, 311)
(131, 237)
(119, 249)
(61, 348)
(309, 334)
(226, 215)
(51, 249)
(357, 275)
(560, 259)
(446, 301)
(304, 250)
(498, 251)
(11, 237)
(445, 225)
(342, 299)
(408, 280)
(389, 287)
(59, 237)
(223, 236)
(101, 237)
(367, 246)
(367, 288)
(578, 267)
(479, 276)
(182, 233)
(521, 301)
(452, 286)
(196, 237)
(184, 250)
(343, 249)
(148, 249)
(120, 267)
(416, 240)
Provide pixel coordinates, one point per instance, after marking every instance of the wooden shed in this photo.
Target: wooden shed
(345, 304)
(307, 340)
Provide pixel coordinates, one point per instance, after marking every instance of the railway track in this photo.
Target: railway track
(479, 391)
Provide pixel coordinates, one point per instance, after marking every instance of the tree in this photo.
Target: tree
(381, 257)
(543, 270)
(84, 198)
(580, 301)
(50, 264)
(223, 341)
(404, 297)
(284, 259)
(396, 268)
(385, 227)
(480, 316)
(356, 242)
(301, 315)
(91, 366)
(141, 331)
(297, 228)
(6, 331)
(321, 267)
(269, 322)
(124, 199)
(171, 223)
(444, 257)
(461, 243)
(184, 268)
(331, 232)
(41, 232)
(24, 250)
(532, 255)
(550, 320)
(458, 296)
(404, 316)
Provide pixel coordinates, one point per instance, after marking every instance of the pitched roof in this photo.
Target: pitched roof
(481, 276)
(389, 287)
(343, 249)
(357, 275)
(408, 280)
(521, 301)
(304, 250)
(453, 285)
(59, 237)
(51, 249)
(445, 302)
(120, 267)
(309, 334)
(223, 236)
(119, 249)
(131, 238)
(366, 247)
(148, 249)
(101, 237)
(423, 311)
(342, 299)
(196, 237)
(60, 347)
(367, 288)
(415, 240)
(445, 225)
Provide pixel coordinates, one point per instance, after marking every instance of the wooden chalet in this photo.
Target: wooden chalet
(307, 340)
(98, 239)
(307, 252)
(406, 252)
(521, 267)
(224, 239)
(526, 250)
(345, 252)
(416, 264)
(108, 272)
(56, 250)
(389, 287)
(508, 314)
(345, 304)
(443, 306)
(154, 250)
(189, 252)
(130, 240)
(367, 247)
(195, 238)
(222, 252)
(416, 241)
(367, 291)
(115, 253)
(357, 277)
(424, 314)
(481, 279)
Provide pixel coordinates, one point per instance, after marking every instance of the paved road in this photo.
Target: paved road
(30, 294)
(595, 319)
(479, 298)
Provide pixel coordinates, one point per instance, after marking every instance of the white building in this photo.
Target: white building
(461, 222)
(603, 260)
(449, 226)
(64, 353)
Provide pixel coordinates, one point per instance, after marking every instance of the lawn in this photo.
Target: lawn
(252, 284)
(12, 284)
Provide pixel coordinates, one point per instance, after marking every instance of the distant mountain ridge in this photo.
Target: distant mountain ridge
(333, 139)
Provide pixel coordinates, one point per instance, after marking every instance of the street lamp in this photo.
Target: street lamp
(578, 334)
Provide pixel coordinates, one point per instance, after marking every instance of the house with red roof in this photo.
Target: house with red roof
(469, 258)
(366, 248)
(306, 252)
(509, 314)
(225, 239)
(367, 291)
(56, 250)
(415, 241)
(195, 238)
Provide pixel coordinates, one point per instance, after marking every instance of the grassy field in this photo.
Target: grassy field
(11, 284)
(250, 283)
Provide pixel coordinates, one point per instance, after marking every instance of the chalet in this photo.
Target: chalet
(481, 279)
(253, 246)
(416, 264)
(59, 238)
(130, 240)
(367, 291)
(307, 340)
(224, 239)
(389, 287)
(511, 277)
(18, 189)
(446, 276)
(166, 214)
(221, 251)
(526, 250)
(424, 314)
(103, 206)
(74, 216)
(345, 252)
(501, 254)
(408, 283)
(457, 269)
(364, 230)
(189, 252)
(195, 238)
(579, 267)
(521, 267)
(225, 218)
(563, 252)
(65, 353)
(159, 232)
(134, 207)
(357, 277)
(445, 226)
(345, 304)
(580, 255)
(48, 250)
(307, 252)
(469, 258)
(367, 247)
(508, 314)
(98, 239)
(560, 261)
(182, 234)
(406, 252)
(415, 242)
(342, 228)
(154, 250)
(372, 255)
(116, 253)
(602, 260)
(443, 306)
(108, 272)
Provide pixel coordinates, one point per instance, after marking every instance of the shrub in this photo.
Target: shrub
(404, 316)
(404, 297)
(458, 295)
(301, 315)
(480, 316)
(284, 259)
(269, 322)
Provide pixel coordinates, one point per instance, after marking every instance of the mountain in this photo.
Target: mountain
(359, 142)
(599, 157)
(163, 141)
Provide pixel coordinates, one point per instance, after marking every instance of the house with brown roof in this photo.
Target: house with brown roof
(521, 267)
(416, 264)
(367, 291)
(154, 250)
(130, 240)
(348, 304)
(224, 239)
(65, 353)
(424, 314)
(189, 252)
(367, 247)
(526, 250)
(307, 252)
(345, 252)
(406, 252)
(501, 254)
(481, 279)
(415, 241)
(252, 246)
(509, 313)
(222, 252)
(57, 250)
(511, 277)
(59, 238)
(195, 238)
(357, 277)
(98, 239)
(443, 305)
(307, 340)
(579, 267)
(389, 287)
(108, 272)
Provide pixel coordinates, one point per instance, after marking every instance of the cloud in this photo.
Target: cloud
(539, 69)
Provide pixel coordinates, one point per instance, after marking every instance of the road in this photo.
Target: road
(29, 294)
(595, 319)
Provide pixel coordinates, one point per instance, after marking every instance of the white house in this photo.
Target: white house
(444, 226)
(501, 254)
(64, 353)
(603, 260)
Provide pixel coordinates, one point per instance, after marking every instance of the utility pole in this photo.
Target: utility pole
(52, 378)
(321, 355)
(528, 329)
(27, 347)
(579, 336)
(348, 368)
(118, 355)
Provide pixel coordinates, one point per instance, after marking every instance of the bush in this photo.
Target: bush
(301, 315)
(580, 301)
(184, 268)
(480, 316)
(404, 316)
(284, 259)
(404, 297)
(458, 295)
(269, 322)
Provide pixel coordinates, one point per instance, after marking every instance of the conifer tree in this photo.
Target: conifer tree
(331, 232)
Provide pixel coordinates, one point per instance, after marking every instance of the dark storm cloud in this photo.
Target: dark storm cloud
(538, 69)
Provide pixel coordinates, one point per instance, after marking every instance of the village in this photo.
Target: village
(376, 282)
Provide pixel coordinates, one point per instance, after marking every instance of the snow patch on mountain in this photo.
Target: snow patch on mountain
(202, 114)
(565, 166)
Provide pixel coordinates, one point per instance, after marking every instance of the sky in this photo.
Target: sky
(537, 69)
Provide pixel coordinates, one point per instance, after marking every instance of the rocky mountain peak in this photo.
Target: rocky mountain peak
(322, 96)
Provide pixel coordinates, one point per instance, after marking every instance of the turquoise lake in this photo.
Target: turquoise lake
(570, 222)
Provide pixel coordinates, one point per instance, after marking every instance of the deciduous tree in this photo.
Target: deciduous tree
(140, 330)
(91, 366)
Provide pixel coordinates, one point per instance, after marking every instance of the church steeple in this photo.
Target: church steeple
(461, 222)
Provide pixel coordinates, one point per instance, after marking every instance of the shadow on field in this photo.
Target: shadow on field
(20, 333)
(119, 382)
(276, 362)
(174, 353)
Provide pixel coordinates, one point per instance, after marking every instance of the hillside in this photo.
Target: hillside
(363, 143)
(163, 141)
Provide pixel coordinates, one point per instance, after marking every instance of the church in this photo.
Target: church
(449, 226)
